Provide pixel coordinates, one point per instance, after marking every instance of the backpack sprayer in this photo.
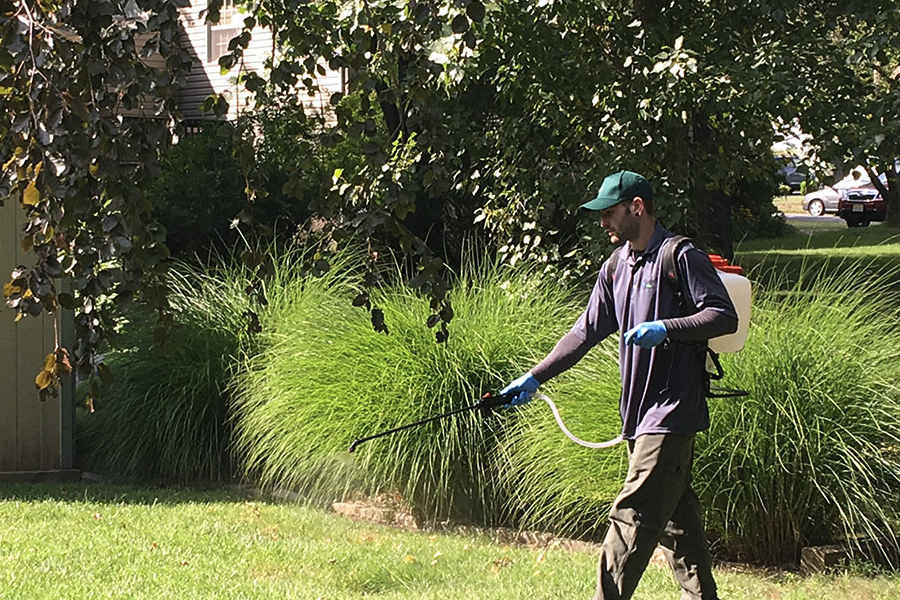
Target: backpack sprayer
(738, 288)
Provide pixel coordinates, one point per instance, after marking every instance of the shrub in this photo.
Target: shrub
(813, 454)
(552, 483)
(164, 416)
(327, 378)
(199, 191)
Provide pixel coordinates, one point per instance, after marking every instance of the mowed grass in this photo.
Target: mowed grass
(825, 236)
(790, 204)
(81, 541)
(824, 243)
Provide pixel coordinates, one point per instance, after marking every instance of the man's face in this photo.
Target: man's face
(620, 222)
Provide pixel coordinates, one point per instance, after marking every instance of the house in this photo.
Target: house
(208, 42)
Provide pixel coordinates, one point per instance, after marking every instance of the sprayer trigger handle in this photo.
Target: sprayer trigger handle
(489, 401)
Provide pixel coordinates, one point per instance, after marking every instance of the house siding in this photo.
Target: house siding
(205, 77)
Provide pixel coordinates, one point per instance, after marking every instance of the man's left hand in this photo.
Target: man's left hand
(646, 335)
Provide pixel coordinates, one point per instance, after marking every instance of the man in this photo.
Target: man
(662, 358)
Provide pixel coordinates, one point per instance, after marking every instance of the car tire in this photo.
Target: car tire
(816, 208)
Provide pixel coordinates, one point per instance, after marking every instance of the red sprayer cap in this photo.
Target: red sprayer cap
(721, 263)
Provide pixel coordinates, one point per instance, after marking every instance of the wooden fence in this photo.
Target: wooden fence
(36, 438)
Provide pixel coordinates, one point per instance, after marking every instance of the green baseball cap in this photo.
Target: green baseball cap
(622, 186)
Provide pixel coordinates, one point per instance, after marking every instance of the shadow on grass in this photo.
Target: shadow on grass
(102, 493)
(825, 248)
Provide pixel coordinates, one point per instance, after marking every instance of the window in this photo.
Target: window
(219, 34)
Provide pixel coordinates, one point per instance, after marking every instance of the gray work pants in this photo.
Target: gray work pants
(656, 506)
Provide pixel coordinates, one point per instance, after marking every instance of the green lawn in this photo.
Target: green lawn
(789, 204)
(831, 238)
(80, 541)
(824, 244)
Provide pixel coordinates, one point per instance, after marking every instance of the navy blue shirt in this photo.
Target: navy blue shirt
(663, 388)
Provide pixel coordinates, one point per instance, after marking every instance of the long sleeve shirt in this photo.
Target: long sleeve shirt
(663, 388)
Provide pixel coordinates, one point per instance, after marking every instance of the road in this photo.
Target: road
(804, 219)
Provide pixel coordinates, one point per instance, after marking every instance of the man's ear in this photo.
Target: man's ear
(637, 206)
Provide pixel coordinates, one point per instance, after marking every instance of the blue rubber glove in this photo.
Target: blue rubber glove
(646, 335)
(523, 388)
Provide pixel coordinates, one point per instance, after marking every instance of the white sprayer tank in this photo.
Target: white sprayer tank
(738, 288)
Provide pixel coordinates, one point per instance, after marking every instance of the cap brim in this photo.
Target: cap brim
(600, 203)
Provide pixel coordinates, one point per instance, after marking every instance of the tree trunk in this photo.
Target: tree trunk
(713, 206)
(889, 191)
(892, 199)
(714, 222)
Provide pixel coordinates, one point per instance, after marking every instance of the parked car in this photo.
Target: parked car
(826, 200)
(861, 206)
(790, 175)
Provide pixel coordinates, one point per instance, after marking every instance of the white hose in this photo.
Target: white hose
(569, 434)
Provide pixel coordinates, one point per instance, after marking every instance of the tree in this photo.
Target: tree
(851, 103)
(503, 114)
(70, 74)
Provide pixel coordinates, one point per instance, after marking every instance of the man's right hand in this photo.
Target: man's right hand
(523, 388)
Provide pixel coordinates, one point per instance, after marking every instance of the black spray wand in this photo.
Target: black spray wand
(486, 404)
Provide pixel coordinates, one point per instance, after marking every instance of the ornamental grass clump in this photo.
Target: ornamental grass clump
(551, 482)
(164, 415)
(326, 378)
(812, 455)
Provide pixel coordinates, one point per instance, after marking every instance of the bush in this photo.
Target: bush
(202, 188)
(813, 454)
(199, 191)
(165, 414)
(753, 213)
(327, 378)
(553, 484)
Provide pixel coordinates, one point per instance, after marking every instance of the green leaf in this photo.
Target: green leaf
(460, 24)
(475, 11)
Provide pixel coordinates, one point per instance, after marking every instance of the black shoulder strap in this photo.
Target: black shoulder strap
(668, 255)
(670, 272)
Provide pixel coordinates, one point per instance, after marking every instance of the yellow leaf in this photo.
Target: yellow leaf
(31, 196)
(410, 558)
(37, 168)
(50, 362)
(43, 380)
(10, 288)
